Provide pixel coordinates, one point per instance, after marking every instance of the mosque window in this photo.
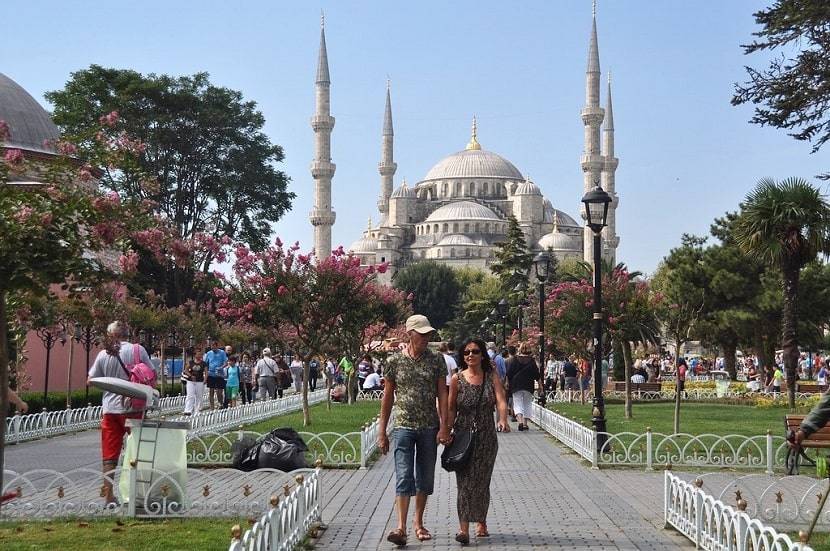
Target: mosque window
(435, 229)
(485, 188)
(466, 228)
(382, 259)
(487, 227)
(472, 189)
(455, 227)
(438, 253)
(445, 189)
(446, 227)
(452, 253)
(476, 227)
(427, 229)
(458, 189)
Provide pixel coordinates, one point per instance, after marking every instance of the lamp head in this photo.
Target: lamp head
(596, 204)
(542, 265)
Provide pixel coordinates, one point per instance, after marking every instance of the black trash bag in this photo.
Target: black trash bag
(245, 453)
(282, 449)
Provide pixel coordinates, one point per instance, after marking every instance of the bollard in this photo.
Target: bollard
(649, 450)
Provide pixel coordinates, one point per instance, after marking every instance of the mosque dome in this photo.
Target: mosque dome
(456, 239)
(558, 217)
(364, 245)
(558, 241)
(528, 188)
(474, 163)
(403, 191)
(29, 123)
(461, 210)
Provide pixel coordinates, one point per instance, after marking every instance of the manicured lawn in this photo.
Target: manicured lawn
(120, 535)
(695, 418)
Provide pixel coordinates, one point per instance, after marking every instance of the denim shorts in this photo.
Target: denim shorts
(415, 453)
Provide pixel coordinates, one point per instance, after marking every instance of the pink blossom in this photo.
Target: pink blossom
(282, 290)
(23, 214)
(410, 296)
(13, 157)
(128, 262)
(4, 130)
(278, 242)
(66, 148)
(382, 267)
(110, 119)
(85, 173)
(46, 219)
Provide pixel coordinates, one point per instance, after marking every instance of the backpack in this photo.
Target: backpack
(140, 373)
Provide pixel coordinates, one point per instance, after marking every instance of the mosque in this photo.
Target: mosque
(459, 211)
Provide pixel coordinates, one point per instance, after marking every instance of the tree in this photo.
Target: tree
(786, 225)
(481, 293)
(203, 162)
(793, 91)
(513, 258)
(434, 288)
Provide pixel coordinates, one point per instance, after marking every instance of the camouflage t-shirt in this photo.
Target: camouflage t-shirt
(416, 387)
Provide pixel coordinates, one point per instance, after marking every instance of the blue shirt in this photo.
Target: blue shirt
(232, 375)
(501, 368)
(215, 360)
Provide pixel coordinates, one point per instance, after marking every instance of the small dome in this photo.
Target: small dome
(403, 191)
(29, 123)
(528, 188)
(474, 163)
(456, 239)
(560, 218)
(364, 245)
(461, 210)
(558, 241)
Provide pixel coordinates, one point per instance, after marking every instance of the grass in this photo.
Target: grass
(695, 418)
(818, 541)
(204, 534)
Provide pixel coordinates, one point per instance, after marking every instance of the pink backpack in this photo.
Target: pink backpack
(140, 373)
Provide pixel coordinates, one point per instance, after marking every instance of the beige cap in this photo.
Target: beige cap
(419, 323)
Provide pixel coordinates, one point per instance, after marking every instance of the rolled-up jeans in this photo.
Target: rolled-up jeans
(415, 453)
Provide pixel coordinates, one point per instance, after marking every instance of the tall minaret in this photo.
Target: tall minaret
(322, 169)
(592, 115)
(387, 165)
(609, 168)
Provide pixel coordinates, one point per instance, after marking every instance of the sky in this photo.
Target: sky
(686, 155)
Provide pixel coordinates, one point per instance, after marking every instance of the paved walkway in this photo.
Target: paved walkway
(542, 498)
(60, 453)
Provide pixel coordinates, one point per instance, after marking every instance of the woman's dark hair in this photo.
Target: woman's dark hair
(486, 365)
(681, 361)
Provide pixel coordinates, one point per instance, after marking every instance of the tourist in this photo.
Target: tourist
(777, 379)
(639, 376)
(475, 391)
(752, 383)
(284, 378)
(498, 360)
(266, 372)
(584, 379)
(232, 378)
(522, 374)
(297, 367)
(363, 369)
(17, 401)
(246, 379)
(550, 374)
(681, 377)
(447, 349)
(112, 361)
(313, 373)
(193, 376)
(372, 382)
(415, 378)
(346, 368)
(821, 376)
(216, 359)
(571, 373)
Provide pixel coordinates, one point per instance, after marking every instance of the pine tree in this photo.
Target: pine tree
(513, 258)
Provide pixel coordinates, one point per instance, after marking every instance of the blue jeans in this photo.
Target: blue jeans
(415, 453)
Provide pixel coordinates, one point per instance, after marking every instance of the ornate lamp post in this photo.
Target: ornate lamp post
(49, 338)
(521, 290)
(596, 214)
(541, 264)
(502, 309)
(86, 336)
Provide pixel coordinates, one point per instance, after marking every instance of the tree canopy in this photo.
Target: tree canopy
(434, 288)
(513, 259)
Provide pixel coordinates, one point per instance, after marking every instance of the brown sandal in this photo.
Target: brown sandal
(422, 534)
(481, 532)
(397, 536)
(462, 538)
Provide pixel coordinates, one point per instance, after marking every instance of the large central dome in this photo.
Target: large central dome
(30, 125)
(474, 163)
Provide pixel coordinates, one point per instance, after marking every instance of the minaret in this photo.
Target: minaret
(592, 115)
(609, 167)
(322, 169)
(387, 165)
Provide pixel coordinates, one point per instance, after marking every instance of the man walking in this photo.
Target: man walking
(118, 353)
(216, 359)
(413, 381)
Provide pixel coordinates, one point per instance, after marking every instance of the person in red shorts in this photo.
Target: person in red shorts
(116, 412)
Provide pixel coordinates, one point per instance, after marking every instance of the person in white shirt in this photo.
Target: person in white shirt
(372, 381)
(448, 350)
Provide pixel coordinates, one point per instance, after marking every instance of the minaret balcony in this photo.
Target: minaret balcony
(322, 217)
(591, 163)
(322, 169)
(322, 122)
(592, 115)
(611, 163)
(387, 169)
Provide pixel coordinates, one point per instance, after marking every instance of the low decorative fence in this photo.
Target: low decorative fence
(44, 494)
(352, 449)
(579, 438)
(711, 524)
(561, 396)
(286, 524)
(20, 428)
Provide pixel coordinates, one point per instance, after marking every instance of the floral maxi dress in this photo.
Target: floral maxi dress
(473, 480)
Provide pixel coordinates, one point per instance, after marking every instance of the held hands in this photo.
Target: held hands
(383, 442)
(503, 426)
(444, 437)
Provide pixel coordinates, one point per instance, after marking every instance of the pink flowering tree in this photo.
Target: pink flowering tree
(316, 305)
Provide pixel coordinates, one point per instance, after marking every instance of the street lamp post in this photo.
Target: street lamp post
(49, 338)
(87, 339)
(596, 214)
(542, 266)
(502, 309)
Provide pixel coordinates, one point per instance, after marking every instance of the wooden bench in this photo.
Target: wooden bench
(641, 387)
(817, 440)
(810, 388)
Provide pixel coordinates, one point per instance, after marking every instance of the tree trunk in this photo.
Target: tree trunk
(4, 381)
(626, 350)
(306, 412)
(69, 371)
(729, 359)
(789, 341)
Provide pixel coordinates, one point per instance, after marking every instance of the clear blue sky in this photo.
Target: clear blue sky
(686, 155)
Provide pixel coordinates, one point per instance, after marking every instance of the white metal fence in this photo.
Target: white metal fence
(711, 524)
(288, 521)
(579, 438)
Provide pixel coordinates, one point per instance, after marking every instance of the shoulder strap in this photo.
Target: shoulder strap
(121, 363)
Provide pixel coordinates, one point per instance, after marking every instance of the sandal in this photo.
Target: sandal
(422, 534)
(481, 532)
(397, 536)
(462, 538)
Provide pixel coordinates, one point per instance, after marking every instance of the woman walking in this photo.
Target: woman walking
(474, 392)
(522, 374)
(297, 373)
(246, 379)
(194, 375)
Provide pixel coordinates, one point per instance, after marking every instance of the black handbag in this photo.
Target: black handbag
(458, 453)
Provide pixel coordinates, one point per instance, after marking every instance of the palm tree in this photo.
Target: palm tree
(786, 225)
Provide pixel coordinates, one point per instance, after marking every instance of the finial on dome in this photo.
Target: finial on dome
(474, 145)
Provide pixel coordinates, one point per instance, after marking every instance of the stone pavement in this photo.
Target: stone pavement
(542, 498)
(60, 453)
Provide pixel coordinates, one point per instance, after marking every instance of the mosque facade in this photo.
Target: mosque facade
(458, 213)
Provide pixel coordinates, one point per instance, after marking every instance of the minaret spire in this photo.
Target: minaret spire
(609, 168)
(592, 116)
(322, 169)
(387, 165)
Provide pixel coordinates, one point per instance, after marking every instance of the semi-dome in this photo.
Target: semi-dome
(474, 163)
(403, 191)
(456, 239)
(461, 210)
(558, 241)
(528, 188)
(29, 123)
(558, 217)
(364, 245)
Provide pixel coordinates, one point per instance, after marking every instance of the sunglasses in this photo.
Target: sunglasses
(472, 351)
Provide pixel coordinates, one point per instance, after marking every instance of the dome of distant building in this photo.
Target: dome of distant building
(528, 188)
(29, 123)
(364, 245)
(456, 239)
(558, 241)
(461, 210)
(474, 163)
(403, 191)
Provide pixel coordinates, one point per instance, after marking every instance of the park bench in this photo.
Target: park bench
(810, 388)
(818, 440)
(639, 389)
